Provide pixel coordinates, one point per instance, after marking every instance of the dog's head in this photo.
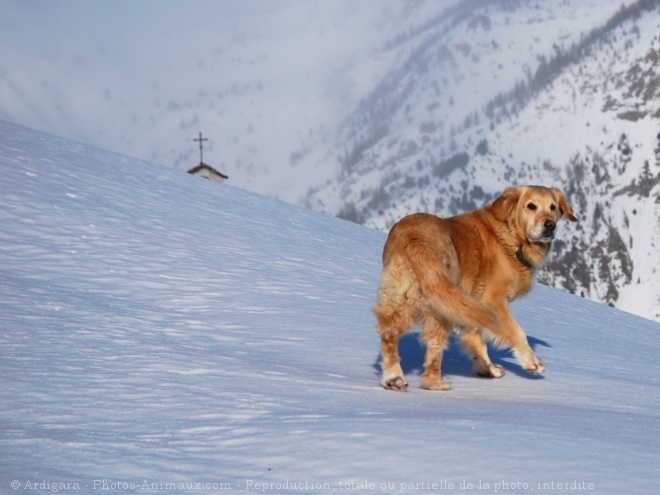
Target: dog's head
(533, 211)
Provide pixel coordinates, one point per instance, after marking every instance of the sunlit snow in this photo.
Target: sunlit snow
(160, 330)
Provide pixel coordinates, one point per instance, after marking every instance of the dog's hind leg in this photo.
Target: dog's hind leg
(396, 310)
(392, 323)
(392, 377)
(435, 334)
(473, 342)
(391, 327)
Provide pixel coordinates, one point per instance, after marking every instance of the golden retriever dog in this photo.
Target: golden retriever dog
(464, 271)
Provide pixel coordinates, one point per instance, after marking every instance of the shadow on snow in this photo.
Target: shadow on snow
(456, 362)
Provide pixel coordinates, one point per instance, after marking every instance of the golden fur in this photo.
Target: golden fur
(464, 271)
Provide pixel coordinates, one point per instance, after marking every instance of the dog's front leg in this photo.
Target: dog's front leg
(510, 333)
(473, 342)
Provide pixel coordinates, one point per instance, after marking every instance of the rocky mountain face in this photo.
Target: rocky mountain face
(480, 95)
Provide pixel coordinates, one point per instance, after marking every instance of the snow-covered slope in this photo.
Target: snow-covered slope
(159, 329)
(265, 82)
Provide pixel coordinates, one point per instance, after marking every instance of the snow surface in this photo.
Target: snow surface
(159, 328)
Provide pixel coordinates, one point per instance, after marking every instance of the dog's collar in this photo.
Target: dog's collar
(521, 257)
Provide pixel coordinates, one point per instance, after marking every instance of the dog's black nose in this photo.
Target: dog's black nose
(549, 226)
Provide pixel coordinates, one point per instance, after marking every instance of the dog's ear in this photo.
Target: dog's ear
(563, 205)
(503, 206)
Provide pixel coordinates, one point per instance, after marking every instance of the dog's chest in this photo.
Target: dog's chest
(520, 285)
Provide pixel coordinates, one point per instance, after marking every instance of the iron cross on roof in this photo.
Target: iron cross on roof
(200, 139)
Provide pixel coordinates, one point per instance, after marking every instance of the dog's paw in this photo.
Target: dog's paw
(491, 371)
(435, 383)
(536, 367)
(530, 362)
(396, 383)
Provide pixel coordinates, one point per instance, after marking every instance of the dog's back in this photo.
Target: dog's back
(421, 272)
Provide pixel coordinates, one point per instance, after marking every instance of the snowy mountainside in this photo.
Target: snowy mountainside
(163, 332)
(493, 94)
(372, 109)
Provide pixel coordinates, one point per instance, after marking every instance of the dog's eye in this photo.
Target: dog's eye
(553, 207)
(532, 206)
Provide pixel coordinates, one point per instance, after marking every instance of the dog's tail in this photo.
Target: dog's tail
(445, 296)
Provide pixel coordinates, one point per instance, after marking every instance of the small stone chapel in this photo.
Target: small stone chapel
(204, 170)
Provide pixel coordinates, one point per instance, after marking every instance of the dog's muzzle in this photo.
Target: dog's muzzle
(549, 227)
